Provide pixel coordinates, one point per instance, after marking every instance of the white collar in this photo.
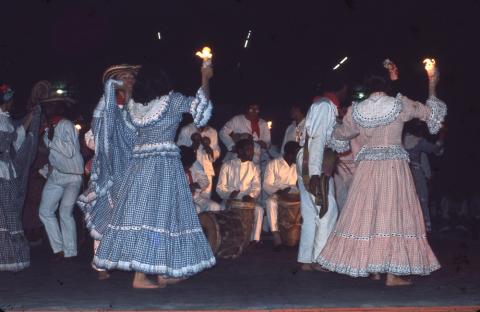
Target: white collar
(378, 110)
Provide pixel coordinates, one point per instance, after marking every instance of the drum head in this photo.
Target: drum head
(211, 229)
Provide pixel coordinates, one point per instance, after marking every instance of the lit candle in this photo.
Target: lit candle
(269, 124)
(430, 65)
(78, 127)
(206, 55)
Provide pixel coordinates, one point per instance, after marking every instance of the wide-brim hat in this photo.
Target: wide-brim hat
(116, 69)
(58, 99)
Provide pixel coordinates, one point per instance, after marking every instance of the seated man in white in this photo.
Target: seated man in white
(251, 123)
(198, 181)
(204, 141)
(240, 179)
(280, 178)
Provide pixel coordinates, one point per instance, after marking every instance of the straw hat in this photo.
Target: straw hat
(116, 69)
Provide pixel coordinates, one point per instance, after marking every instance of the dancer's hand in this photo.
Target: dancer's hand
(248, 199)
(314, 184)
(234, 194)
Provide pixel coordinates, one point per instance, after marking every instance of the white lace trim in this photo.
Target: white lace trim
(437, 116)
(144, 115)
(155, 148)
(339, 146)
(382, 235)
(378, 268)
(154, 269)
(154, 229)
(11, 232)
(377, 110)
(382, 153)
(17, 266)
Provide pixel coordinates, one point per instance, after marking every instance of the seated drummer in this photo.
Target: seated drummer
(280, 179)
(198, 181)
(239, 179)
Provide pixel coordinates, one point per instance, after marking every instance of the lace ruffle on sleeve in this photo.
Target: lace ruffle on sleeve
(437, 115)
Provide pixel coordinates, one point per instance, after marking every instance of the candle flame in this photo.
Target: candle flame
(205, 54)
(78, 127)
(429, 64)
(269, 124)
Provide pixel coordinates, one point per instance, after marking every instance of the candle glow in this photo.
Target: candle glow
(269, 124)
(429, 65)
(205, 54)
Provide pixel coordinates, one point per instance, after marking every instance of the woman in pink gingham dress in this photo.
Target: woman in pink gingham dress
(381, 228)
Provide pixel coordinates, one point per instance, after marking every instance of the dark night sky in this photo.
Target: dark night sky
(292, 43)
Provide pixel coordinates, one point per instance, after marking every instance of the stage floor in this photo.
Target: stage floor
(259, 280)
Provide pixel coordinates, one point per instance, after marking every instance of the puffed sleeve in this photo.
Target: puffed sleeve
(199, 106)
(433, 113)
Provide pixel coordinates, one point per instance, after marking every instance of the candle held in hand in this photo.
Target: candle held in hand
(206, 55)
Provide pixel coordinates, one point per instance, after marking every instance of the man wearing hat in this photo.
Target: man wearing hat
(64, 178)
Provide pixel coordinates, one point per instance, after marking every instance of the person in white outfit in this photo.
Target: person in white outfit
(240, 179)
(205, 141)
(251, 123)
(319, 123)
(198, 181)
(64, 179)
(295, 129)
(280, 178)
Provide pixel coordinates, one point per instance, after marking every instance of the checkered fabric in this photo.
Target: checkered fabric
(150, 224)
(15, 250)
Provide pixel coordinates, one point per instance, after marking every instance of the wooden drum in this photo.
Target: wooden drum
(289, 218)
(229, 231)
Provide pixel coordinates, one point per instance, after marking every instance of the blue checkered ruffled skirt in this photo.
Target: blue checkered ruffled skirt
(154, 227)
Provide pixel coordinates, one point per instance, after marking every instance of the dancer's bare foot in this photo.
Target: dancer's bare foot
(318, 267)
(162, 281)
(306, 267)
(172, 281)
(103, 275)
(375, 276)
(141, 281)
(393, 280)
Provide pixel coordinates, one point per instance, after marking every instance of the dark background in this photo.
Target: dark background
(293, 44)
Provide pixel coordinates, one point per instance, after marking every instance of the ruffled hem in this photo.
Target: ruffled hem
(378, 268)
(154, 269)
(14, 267)
(437, 116)
(359, 256)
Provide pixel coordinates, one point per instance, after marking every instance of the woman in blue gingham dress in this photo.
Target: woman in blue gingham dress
(153, 227)
(17, 151)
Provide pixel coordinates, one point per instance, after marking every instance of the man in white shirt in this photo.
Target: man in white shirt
(319, 123)
(197, 181)
(205, 141)
(250, 123)
(240, 179)
(295, 129)
(64, 179)
(280, 178)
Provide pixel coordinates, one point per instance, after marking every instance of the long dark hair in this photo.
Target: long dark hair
(151, 83)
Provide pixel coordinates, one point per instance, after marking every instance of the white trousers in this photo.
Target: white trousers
(60, 193)
(271, 206)
(314, 236)
(257, 222)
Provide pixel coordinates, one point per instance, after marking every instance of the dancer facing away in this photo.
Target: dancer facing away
(381, 228)
(17, 151)
(318, 219)
(154, 228)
